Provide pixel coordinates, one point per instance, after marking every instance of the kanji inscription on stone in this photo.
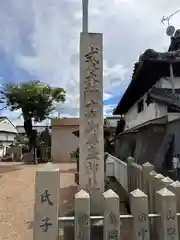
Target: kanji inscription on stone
(45, 197)
(45, 224)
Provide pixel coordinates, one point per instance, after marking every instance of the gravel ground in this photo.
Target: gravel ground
(17, 198)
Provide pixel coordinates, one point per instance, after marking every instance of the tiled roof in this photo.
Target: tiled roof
(2, 118)
(150, 68)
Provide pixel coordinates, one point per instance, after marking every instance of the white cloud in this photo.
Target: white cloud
(19, 122)
(108, 109)
(107, 96)
(50, 29)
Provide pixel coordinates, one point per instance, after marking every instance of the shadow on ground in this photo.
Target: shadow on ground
(6, 169)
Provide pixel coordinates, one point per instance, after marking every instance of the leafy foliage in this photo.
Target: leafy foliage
(36, 101)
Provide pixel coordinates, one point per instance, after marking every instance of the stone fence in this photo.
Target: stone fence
(153, 200)
(135, 176)
(15, 154)
(118, 169)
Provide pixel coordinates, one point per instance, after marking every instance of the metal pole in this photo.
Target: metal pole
(85, 15)
(171, 77)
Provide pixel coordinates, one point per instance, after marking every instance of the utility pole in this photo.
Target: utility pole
(170, 31)
(85, 4)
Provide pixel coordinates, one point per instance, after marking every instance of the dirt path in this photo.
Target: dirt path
(17, 198)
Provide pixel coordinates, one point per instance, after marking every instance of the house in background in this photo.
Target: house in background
(151, 109)
(39, 128)
(63, 141)
(8, 133)
(22, 137)
(111, 123)
(110, 127)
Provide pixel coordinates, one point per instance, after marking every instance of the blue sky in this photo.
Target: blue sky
(40, 40)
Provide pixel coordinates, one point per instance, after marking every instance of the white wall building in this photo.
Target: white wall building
(142, 112)
(63, 141)
(8, 132)
(155, 77)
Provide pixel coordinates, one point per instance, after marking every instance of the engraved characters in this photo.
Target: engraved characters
(92, 108)
(46, 222)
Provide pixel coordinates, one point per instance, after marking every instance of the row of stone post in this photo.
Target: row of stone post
(158, 188)
(153, 215)
(15, 153)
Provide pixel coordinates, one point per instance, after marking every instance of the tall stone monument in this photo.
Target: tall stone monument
(91, 163)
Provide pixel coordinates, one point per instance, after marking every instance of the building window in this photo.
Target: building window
(172, 110)
(149, 101)
(140, 106)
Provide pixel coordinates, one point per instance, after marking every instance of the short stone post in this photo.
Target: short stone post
(146, 169)
(138, 169)
(158, 181)
(166, 182)
(130, 160)
(82, 215)
(47, 187)
(111, 215)
(175, 188)
(157, 186)
(139, 209)
(151, 199)
(110, 167)
(133, 176)
(12, 155)
(21, 154)
(151, 191)
(169, 226)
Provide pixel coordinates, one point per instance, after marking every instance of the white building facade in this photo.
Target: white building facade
(142, 112)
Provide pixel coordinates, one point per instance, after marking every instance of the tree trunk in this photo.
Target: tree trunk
(31, 135)
(29, 130)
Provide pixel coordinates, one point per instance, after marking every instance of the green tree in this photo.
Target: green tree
(35, 100)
